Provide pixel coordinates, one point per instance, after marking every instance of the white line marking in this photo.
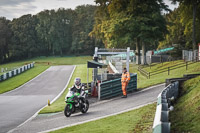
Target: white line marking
(45, 105)
(97, 118)
(64, 87)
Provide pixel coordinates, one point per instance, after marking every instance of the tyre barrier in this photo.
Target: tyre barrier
(15, 72)
(161, 122)
(112, 88)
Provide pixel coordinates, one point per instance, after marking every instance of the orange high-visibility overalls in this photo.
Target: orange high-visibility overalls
(125, 79)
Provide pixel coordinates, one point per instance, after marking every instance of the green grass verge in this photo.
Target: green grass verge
(59, 104)
(22, 78)
(136, 121)
(41, 64)
(63, 60)
(186, 115)
(143, 82)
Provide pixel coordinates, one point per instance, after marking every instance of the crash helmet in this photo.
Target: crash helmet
(77, 83)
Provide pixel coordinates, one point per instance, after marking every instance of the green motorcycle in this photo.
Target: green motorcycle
(75, 102)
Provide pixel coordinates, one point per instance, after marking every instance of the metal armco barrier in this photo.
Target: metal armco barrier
(15, 72)
(161, 121)
(112, 88)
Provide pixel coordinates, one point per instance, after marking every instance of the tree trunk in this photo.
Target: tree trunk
(194, 28)
(138, 61)
(144, 53)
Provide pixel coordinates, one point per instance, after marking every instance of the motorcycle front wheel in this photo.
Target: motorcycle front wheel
(67, 110)
(85, 107)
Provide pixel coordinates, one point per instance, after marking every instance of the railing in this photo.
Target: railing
(143, 72)
(113, 88)
(167, 69)
(164, 103)
(15, 72)
(161, 121)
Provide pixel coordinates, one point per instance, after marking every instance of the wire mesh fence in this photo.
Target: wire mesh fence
(189, 55)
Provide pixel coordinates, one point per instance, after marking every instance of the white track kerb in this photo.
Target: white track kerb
(45, 105)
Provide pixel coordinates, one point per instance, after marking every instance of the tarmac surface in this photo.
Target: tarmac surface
(22, 103)
(97, 110)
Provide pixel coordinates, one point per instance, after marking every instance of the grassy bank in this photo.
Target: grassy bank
(41, 64)
(136, 121)
(186, 115)
(143, 82)
(59, 104)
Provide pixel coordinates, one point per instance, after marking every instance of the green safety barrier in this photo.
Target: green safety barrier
(113, 88)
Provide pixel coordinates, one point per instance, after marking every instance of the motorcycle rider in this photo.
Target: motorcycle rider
(78, 87)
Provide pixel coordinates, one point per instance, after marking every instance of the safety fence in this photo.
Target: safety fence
(166, 69)
(190, 55)
(112, 88)
(161, 121)
(15, 72)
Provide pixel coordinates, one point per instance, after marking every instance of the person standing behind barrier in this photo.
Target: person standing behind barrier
(124, 80)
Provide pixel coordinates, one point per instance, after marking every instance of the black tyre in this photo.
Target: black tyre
(67, 111)
(85, 107)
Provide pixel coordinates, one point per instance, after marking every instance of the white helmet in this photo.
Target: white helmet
(77, 83)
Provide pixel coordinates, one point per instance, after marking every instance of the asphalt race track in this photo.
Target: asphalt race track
(22, 103)
(45, 123)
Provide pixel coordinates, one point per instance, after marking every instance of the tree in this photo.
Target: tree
(175, 30)
(83, 25)
(5, 35)
(24, 37)
(61, 32)
(43, 29)
(50, 32)
(180, 23)
(130, 22)
(194, 4)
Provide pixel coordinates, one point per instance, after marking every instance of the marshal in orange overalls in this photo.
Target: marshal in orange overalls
(125, 79)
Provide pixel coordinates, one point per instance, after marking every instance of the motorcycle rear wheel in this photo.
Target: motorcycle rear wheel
(67, 111)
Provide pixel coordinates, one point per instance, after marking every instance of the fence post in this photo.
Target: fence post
(168, 70)
(186, 65)
(99, 91)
